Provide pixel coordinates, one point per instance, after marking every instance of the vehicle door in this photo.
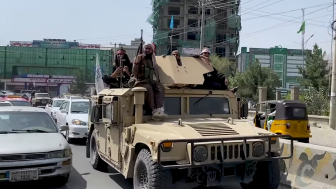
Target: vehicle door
(58, 112)
(63, 113)
(48, 107)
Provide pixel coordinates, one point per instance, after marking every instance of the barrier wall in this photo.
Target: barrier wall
(311, 167)
(312, 118)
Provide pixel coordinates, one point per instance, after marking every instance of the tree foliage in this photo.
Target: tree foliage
(79, 86)
(316, 73)
(256, 76)
(223, 65)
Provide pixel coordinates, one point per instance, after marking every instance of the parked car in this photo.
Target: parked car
(74, 113)
(32, 146)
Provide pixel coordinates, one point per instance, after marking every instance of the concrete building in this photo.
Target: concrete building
(283, 61)
(221, 26)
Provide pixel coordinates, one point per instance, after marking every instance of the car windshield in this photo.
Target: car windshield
(57, 103)
(20, 103)
(208, 105)
(26, 122)
(28, 91)
(76, 97)
(5, 104)
(79, 107)
(42, 95)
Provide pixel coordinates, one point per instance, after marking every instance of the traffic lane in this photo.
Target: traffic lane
(94, 179)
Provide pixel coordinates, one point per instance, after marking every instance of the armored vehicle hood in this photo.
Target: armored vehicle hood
(197, 128)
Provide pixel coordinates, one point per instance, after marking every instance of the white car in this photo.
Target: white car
(53, 106)
(32, 148)
(5, 103)
(74, 113)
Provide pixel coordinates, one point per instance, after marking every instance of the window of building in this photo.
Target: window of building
(233, 11)
(220, 38)
(174, 11)
(192, 22)
(221, 25)
(175, 1)
(175, 35)
(279, 74)
(220, 51)
(191, 36)
(207, 12)
(278, 58)
(232, 35)
(176, 23)
(231, 52)
(221, 13)
(192, 10)
(278, 67)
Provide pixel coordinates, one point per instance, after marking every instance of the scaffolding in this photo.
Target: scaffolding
(161, 34)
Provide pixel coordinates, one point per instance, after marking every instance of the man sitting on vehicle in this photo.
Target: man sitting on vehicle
(119, 71)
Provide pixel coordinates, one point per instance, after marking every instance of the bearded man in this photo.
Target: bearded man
(145, 71)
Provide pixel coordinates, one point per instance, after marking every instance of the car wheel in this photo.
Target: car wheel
(267, 175)
(95, 160)
(148, 174)
(61, 180)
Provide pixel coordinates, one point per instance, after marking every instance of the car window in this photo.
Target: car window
(76, 97)
(26, 120)
(57, 103)
(208, 105)
(67, 106)
(63, 105)
(20, 103)
(80, 107)
(41, 95)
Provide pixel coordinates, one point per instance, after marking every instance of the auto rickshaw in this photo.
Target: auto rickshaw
(285, 117)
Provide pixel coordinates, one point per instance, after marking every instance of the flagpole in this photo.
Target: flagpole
(303, 34)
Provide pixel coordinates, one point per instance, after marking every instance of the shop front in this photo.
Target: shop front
(53, 84)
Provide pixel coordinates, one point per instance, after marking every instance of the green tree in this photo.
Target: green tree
(223, 65)
(316, 73)
(79, 86)
(255, 76)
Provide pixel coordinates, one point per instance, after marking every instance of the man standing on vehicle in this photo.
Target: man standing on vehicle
(145, 71)
(119, 71)
(214, 79)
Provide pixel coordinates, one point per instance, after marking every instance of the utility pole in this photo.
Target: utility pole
(202, 4)
(303, 42)
(332, 114)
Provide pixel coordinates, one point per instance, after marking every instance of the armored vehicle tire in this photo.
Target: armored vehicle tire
(95, 160)
(267, 175)
(148, 174)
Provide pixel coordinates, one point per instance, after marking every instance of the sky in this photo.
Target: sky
(265, 23)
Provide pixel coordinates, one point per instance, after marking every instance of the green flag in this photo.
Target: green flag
(302, 28)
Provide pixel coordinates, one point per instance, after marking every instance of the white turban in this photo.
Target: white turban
(206, 50)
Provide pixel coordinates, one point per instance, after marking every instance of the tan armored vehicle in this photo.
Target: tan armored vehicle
(40, 99)
(203, 142)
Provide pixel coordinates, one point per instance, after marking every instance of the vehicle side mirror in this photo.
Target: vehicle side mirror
(64, 128)
(64, 111)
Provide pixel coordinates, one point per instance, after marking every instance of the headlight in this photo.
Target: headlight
(60, 153)
(200, 153)
(258, 149)
(78, 122)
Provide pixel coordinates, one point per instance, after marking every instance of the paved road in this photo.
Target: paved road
(83, 176)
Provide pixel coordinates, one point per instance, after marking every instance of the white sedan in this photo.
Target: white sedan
(32, 146)
(53, 106)
(74, 113)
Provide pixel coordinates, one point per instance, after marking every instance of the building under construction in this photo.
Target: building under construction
(222, 24)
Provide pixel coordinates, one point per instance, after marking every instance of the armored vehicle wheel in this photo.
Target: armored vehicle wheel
(95, 160)
(267, 175)
(148, 174)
